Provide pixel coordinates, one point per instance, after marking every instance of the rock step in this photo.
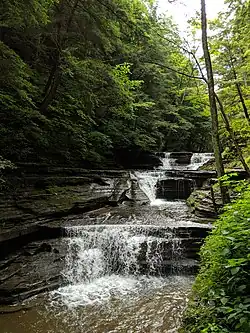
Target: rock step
(168, 267)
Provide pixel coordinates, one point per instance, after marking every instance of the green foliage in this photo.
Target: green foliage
(221, 294)
(229, 47)
(83, 79)
(22, 13)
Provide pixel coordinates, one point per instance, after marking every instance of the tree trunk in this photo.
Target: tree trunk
(232, 136)
(238, 87)
(54, 77)
(242, 100)
(212, 102)
(51, 88)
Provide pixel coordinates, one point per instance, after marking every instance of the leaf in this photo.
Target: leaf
(230, 238)
(242, 288)
(235, 270)
(225, 251)
(224, 300)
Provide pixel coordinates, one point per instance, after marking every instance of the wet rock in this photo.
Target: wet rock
(181, 157)
(199, 177)
(174, 188)
(44, 247)
(24, 276)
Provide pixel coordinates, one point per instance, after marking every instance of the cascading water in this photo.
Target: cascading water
(99, 257)
(148, 179)
(125, 275)
(168, 163)
(199, 159)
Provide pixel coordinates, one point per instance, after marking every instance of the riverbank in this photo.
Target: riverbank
(220, 299)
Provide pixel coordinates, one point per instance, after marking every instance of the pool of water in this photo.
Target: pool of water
(109, 304)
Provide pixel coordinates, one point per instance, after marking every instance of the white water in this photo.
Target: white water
(148, 179)
(100, 262)
(199, 159)
(167, 162)
(105, 288)
(106, 266)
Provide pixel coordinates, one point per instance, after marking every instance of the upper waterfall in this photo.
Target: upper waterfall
(199, 159)
(148, 179)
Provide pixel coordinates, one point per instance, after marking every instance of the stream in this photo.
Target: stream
(128, 271)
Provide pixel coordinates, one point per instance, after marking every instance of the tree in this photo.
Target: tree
(85, 79)
(230, 67)
(212, 101)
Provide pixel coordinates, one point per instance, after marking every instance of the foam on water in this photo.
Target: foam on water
(158, 202)
(105, 288)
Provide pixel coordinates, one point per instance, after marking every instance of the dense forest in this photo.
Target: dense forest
(83, 80)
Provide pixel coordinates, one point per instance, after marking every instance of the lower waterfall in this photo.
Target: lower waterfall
(108, 259)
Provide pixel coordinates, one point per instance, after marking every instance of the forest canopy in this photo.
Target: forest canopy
(81, 80)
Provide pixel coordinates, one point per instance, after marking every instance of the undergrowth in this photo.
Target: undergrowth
(220, 300)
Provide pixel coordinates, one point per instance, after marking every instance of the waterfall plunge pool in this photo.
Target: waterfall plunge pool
(110, 304)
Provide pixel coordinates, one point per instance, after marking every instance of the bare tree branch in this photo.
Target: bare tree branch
(175, 70)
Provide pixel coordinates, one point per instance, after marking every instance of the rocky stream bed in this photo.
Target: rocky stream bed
(103, 235)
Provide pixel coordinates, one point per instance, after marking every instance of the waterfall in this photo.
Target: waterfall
(167, 162)
(96, 251)
(106, 260)
(199, 159)
(148, 180)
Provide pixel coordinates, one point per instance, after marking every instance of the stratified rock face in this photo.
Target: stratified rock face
(174, 188)
(34, 269)
(41, 195)
(201, 203)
